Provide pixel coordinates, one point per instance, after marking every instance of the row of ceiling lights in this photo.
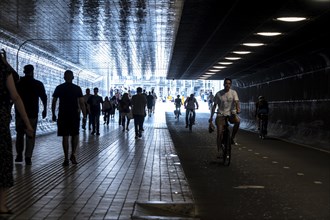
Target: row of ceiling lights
(230, 59)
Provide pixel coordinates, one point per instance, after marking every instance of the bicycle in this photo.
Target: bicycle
(225, 144)
(190, 119)
(263, 125)
(177, 113)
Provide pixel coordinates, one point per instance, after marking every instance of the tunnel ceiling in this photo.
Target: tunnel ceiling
(179, 39)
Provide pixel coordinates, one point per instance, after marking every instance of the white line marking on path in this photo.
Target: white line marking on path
(249, 187)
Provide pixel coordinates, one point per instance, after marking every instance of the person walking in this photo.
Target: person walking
(68, 121)
(114, 106)
(8, 93)
(124, 109)
(139, 103)
(30, 90)
(106, 109)
(88, 115)
(150, 103)
(95, 102)
(154, 101)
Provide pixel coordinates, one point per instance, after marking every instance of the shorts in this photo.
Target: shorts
(68, 126)
(220, 119)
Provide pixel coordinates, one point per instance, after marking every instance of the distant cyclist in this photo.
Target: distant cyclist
(228, 105)
(190, 104)
(262, 111)
(178, 104)
(210, 100)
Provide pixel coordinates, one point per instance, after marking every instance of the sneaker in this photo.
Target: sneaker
(233, 142)
(19, 159)
(28, 161)
(98, 133)
(93, 133)
(140, 135)
(136, 137)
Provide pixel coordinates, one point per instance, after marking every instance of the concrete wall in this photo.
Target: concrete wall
(298, 92)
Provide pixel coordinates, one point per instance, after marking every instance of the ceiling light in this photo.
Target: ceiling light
(242, 52)
(225, 63)
(253, 44)
(214, 70)
(269, 34)
(219, 67)
(209, 73)
(291, 19)
(232, 58)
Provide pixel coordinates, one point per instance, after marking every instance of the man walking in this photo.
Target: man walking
(139, 103)
(30, 91)
(84, 121)
(95, 101)
(68, 121)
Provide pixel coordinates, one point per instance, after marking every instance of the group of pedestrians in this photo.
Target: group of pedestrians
(136, 107)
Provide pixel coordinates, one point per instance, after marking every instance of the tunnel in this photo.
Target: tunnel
(278, 49)
(108, 43)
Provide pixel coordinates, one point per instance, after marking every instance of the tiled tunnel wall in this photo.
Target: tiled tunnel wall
(49, 72)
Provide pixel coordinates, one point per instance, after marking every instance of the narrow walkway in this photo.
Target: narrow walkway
(114, 172)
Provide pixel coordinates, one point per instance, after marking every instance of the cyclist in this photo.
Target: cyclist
(228, 105)
(178, 104)
(262, 111)
(190, 104)
(210, 100)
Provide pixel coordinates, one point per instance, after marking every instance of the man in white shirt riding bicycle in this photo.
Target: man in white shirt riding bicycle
(228, 105)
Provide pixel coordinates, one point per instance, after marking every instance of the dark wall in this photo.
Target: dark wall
(299, 99)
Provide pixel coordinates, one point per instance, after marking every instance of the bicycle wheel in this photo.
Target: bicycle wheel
(190, 123)
(261, 128)
(190, 120)
(262, 133)
(226, 148)
(219, 144)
